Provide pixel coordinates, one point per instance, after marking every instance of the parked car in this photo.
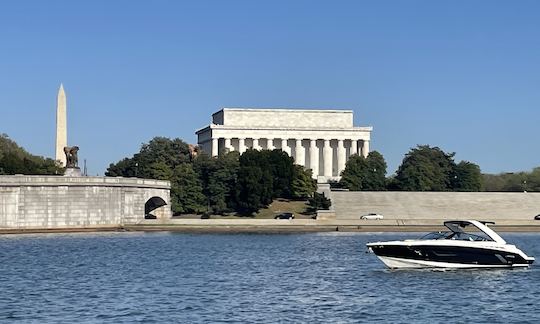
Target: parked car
(372, 216)
(537, 217)
(285, 216)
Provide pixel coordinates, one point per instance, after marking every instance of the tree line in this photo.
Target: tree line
(232, 182)
(423, 168)
(15, 160)
(227, 183)
(426, 168)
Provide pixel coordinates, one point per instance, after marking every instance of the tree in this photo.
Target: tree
(303, 185)
(466, 177)
(158, 170)
(218, 176)
(319, 202)
(364, 173)
(281, 166)
(250, 191)
(254, 188)
(533, 180)
(151, 159)
(375, 179)
(425, 168)
(353, 176)
(186, 190)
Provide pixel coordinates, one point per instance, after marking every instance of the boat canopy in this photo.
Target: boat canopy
(458, 226)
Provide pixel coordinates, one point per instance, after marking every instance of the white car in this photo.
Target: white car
(372, 216)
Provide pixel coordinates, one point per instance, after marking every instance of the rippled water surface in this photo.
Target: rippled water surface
(189, 278)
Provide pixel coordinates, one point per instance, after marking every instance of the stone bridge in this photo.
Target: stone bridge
(55, 202)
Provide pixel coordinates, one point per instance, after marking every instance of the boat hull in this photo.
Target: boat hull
(400, 263)
(440, 256)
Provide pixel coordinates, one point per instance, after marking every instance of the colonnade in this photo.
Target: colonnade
(327, 159)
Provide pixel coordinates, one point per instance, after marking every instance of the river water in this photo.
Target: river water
(247, 278)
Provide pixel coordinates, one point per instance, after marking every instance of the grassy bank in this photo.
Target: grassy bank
(298, 207)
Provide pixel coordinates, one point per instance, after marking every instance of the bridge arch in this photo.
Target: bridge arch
(153, 207)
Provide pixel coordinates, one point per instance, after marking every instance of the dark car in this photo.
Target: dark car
(285, 216)
(537, 217)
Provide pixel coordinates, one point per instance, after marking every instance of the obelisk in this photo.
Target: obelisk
(61, 126)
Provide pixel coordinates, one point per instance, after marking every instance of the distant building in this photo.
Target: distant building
(321, 140)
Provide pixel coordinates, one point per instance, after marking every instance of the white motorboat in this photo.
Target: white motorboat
(481, 248)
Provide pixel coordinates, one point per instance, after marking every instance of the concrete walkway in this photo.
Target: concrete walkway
(311, 225)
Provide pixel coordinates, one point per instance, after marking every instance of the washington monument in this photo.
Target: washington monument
(61, 126)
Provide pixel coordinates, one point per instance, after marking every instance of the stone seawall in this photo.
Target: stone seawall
(53, 202)
(312, 225)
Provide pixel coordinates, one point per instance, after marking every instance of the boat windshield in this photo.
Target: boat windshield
(436, 236)
(461, 236)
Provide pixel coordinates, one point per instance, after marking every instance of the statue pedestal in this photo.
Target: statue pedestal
(72, 172)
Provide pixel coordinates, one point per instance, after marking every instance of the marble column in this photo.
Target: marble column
(300, 154)
(284, 146)
(256, 144)
(354, 147)
(270, 144)
(314, 158)
(327, 158)
(241, 145)
(365, 148)
(228, 147)
(214, 147)
(341, 157)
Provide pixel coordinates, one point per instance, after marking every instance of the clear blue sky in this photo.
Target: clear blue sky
(461, 75)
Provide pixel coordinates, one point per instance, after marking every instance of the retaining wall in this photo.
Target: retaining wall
(437, 205)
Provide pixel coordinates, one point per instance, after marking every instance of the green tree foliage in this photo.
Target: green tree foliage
(186, 190)
(281, 166)
(513, 182)
(353, 176)
(15, 160)
(265, 175)
(251, 191)
(319, 202)
(218, 177)
(303, 185)
(425, 168)
(533, 180)
(466, 177)
(376, 178)
(126, 167)
(158, 170)
(365, 173)
(155, 160)
(255, 182)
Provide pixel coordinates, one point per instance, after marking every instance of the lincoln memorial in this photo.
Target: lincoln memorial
(321, 140)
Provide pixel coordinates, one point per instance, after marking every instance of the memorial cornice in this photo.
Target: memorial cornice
(296, 110)
(300, 128)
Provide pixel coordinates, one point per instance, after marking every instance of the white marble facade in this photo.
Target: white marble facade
(321, 140)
